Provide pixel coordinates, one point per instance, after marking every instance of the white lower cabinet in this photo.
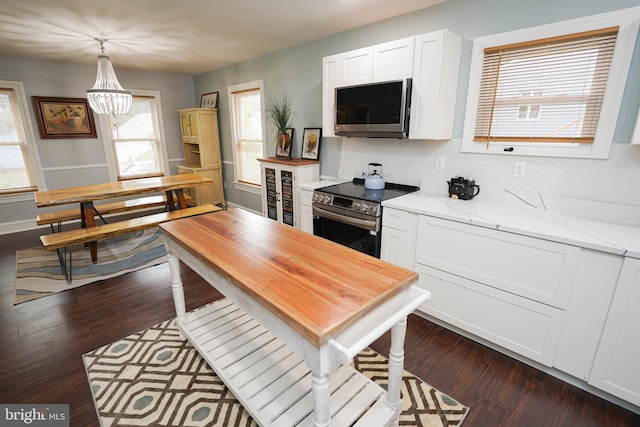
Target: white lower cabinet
(506, 288)
(398, 237)
(573, 310)
(306, 210)
(616, 368)
(515, 323)
(532, 268)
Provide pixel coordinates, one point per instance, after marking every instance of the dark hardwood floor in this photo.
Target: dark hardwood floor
(42, 342)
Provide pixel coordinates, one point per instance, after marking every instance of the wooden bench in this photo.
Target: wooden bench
(62, 241)
(103, 209)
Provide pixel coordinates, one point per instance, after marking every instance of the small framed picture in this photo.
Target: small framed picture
(311, 143)
(285, 150)
(209, 100)
(64, 117)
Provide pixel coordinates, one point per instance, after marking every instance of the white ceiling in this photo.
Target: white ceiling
(178, 36)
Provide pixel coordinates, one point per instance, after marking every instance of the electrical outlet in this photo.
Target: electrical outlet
(520, 169)
(439, 163)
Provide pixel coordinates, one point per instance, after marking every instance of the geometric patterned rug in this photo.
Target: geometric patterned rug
(153, 378)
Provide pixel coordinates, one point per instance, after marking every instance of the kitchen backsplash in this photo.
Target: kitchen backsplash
(616, 180)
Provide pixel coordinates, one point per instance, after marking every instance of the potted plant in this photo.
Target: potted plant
(280, 112)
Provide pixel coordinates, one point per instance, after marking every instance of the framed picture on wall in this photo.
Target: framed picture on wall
(60, 118)
(209, 100)
(311, 143)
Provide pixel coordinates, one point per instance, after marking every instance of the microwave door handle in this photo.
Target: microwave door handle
(356, 222)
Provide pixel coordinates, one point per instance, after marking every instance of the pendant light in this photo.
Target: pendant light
(107, 96)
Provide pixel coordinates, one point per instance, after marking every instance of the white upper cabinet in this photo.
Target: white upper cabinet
(356, 67)
(435, 85)
(330, 76)
(393, 60)
(431, 60)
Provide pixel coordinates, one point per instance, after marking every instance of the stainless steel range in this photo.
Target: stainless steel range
(351, 214)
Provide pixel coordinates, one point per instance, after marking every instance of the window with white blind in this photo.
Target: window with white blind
(136, 141)
(550, 91)
(246, 105)
(18, 157)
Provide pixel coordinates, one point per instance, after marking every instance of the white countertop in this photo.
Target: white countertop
(322, 183)
(600, 226)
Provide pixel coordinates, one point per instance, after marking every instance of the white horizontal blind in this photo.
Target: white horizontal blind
(547, 90)
(247, 114)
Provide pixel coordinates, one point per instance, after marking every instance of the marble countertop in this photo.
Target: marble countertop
(599, 226)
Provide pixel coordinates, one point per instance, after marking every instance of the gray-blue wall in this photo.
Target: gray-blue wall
(72, 162)
(296, 71)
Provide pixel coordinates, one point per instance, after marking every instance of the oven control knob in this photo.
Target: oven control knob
(356, 205)
(365, 207)
(327, 199)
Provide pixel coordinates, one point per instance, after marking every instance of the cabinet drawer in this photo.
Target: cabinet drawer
(395, 218)
(518, 324)
(306, 197)
(532, 268)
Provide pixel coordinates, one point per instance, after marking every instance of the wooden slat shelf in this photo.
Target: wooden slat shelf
(271, 381)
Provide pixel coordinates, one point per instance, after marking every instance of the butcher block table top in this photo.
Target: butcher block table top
(316, 286)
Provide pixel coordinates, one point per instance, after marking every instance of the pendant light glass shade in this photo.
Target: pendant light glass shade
(107, 96)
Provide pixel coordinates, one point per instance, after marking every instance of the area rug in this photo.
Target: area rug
(153, 378)
(38, 272)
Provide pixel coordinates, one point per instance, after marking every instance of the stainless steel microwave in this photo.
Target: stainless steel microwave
(374, 110)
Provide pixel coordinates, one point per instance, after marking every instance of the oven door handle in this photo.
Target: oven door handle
(367, 224)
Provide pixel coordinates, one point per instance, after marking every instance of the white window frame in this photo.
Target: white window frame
(30, 141)
(105, 131)
(628, 21)
(256, 84)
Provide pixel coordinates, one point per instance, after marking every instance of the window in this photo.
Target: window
(136, 141)
(247, 111)
(550, 95)
(17, 150)
(528, 111)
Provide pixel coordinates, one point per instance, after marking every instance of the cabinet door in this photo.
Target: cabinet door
(393, 60)
(616, 369)
(515, 323)
(435, 85)
(393, 248)
(271, 191)
(330, 76)
(306, 219)
(193, 123)
(356, 67)
(306, 211)
(184, 124)
(287, 196)
(532, 268)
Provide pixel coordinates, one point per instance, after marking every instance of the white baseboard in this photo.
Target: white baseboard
(18, 226)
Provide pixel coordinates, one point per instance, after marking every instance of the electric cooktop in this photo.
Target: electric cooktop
(355, 190)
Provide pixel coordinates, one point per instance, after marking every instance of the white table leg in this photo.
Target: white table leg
(177, 289)
(396, 366)
(320, 393)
